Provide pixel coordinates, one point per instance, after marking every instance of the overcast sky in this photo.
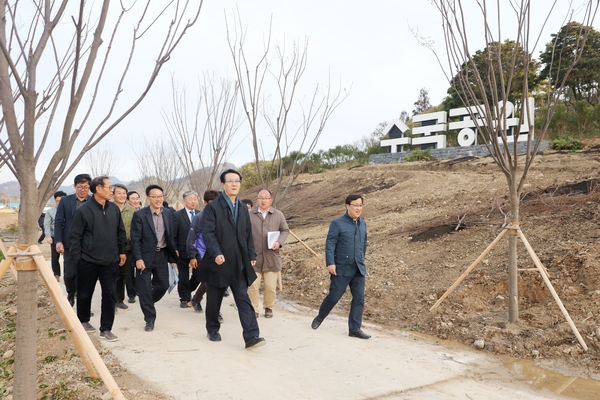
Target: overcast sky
(367, 47)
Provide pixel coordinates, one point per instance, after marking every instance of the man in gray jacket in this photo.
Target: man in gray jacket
(345, 258)
(269, 232)
(49, 231)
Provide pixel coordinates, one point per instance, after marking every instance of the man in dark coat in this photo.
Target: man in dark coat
(229, 259)
(152, 248)
(182, 221)
(62, 228)
(345, 250)
(98, 241)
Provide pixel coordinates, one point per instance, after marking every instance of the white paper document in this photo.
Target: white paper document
(272, 237)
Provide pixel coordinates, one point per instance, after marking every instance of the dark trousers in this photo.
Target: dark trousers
(336, 290)
(122, 277)
(199, 293)
(130, 279)
(152, 284)
(55, 259)
(70, 272)
(186, 286)
(214, 298)
(87, 275)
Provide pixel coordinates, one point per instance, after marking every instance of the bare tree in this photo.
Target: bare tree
(102, 161)
(158, 163)
(201, 136)
(484, 91)
(284, 74)
(58, 61)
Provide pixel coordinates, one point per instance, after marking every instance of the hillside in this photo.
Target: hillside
(415, 254)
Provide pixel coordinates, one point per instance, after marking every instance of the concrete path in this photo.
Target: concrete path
(299, 362)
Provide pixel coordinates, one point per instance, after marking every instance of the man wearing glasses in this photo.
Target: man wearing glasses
(229, 259)
(345, 258)
(269, 231)
(62, 226)
(182, 222)
(98, 241)
(152, 248)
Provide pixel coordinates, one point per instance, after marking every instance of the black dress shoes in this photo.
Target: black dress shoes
(149, 326)
(316, 323)
(359, 334)
(214, 337)
(255, 342)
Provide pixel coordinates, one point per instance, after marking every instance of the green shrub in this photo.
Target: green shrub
(567, 143)
(419, 155)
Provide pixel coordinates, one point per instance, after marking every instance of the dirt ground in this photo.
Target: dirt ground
(415, 252)
(414, 255)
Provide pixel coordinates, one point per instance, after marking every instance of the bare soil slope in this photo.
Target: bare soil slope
(415, 252)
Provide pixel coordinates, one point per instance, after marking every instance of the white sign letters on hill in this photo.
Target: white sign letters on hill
(428, 134)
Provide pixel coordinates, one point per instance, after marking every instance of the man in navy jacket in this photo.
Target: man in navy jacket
(62, 227)
(345, 258)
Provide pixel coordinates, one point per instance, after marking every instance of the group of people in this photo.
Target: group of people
(228, 246)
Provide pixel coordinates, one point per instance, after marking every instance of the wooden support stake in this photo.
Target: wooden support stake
(551, 288)
(304, 244)
(65, 311)
(12, 266)
(464, 275)
(5, 264)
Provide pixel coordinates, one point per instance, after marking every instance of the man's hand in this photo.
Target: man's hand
(49, 240)
(276, 246)
(194, 263)
(177, 252)
(139, 264)
(59, 247)
(220, 259)
(253, 262)
(331, 269)
(122, 259)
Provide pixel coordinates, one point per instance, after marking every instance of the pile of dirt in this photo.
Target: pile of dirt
(416, 252)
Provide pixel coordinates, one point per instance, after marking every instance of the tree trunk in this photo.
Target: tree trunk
(513, 284)
(26, 339)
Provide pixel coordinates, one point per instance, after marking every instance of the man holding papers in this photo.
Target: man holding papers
(269, 231)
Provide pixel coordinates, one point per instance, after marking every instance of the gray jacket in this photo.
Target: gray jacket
(49, 222)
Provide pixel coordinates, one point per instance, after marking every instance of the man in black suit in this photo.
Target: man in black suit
(182, 221)
(62, 227)
(153, 249)
(229, 259)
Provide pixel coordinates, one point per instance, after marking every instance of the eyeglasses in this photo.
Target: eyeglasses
(82, 187)
(232, 182)
(109, 187)
(156, 197)
(356, 205)
(264, 198)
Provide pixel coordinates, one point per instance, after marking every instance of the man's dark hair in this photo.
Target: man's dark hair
(354, 196)
(130, 193)
(83, 178)
(229, 171)
(165, 204)
(248, 201)
(210, 195)
(120, 186)
(150, 187)
(97, 181)
(60, 193)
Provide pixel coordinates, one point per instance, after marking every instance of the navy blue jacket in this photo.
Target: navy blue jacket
(346, 245)
(64, 217)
